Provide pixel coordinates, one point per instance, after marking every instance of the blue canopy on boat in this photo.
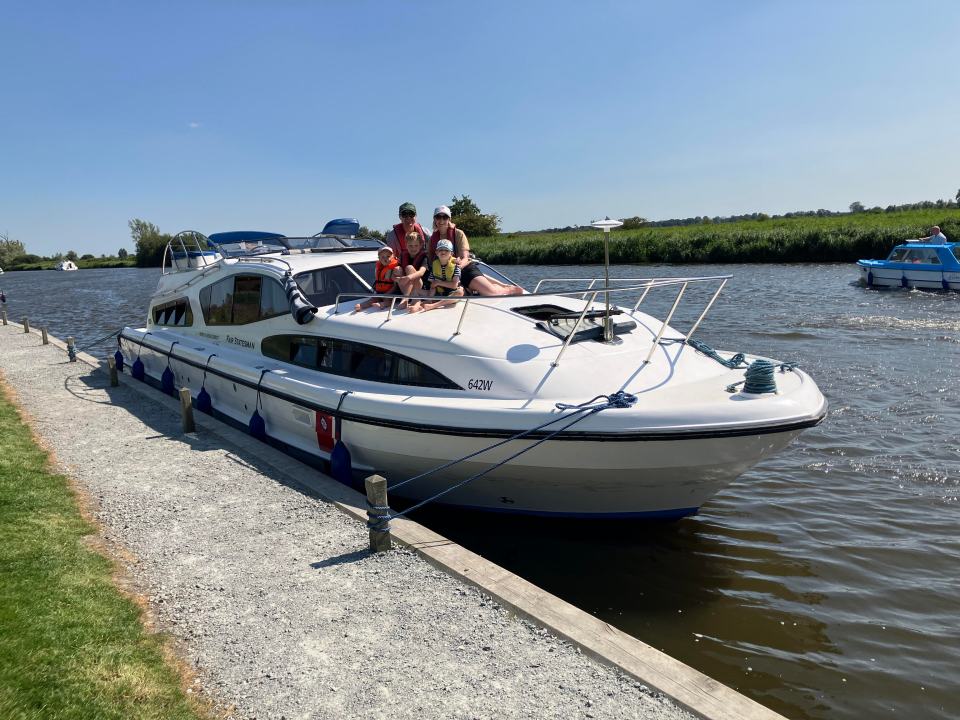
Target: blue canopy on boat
(342, 226)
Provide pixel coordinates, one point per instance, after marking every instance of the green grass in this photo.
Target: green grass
(844, 238)
(71, 645)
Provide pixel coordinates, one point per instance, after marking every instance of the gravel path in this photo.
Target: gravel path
(271, 593)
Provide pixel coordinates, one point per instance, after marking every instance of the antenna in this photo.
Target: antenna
(606, 225)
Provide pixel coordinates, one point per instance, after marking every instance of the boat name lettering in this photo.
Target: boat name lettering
(239, 341)
(212, 336)
(480, 384)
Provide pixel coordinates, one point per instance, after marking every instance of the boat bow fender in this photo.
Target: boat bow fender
(301, 308)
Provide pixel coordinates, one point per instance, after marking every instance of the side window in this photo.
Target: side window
(273, 300)
(176, 313)
(242, 299)
(925, 256)
(956, 253)
(322, 286)
(216, 302)
(355, 360)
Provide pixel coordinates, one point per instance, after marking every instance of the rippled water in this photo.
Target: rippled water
(823, 583)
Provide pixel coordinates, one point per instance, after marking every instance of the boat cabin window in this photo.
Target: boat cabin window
(898, 255)
(322, 286)
(926, 256)
(242, 299)
(176, 313)
(355, 360)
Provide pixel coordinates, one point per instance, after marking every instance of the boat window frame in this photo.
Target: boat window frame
(208, 290)
(367, 350)
(319, 300)
(170, 308)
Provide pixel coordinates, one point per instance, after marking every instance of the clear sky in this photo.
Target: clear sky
(281, 115)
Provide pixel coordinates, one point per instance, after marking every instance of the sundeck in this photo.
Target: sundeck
(262, 324)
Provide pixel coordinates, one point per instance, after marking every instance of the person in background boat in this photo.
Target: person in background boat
(413, 269)
(936, 237)
(386, 271)
(396, 236)
(471, 278)
(444, 277)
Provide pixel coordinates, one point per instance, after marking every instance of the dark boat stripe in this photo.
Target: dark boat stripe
(641, 436)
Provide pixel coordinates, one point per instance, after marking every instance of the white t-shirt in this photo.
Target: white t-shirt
(938, 239)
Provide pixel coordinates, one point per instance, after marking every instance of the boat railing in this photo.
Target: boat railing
(185, 252)
(643, 285)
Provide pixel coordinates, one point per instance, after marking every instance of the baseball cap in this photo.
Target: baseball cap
(442, 210)
(445, 245)
(408, 207)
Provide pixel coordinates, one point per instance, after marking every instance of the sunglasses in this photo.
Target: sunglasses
(408, 214)
(441, 217)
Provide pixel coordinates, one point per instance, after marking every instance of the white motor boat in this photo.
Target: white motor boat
(66, 266)
(261, 328)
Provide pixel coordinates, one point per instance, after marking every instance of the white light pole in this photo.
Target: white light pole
(606, 225)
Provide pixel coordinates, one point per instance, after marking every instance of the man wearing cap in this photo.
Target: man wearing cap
(396, 236)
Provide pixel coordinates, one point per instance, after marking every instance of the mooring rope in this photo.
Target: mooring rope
(100, 340)
(620, 399)
(736, 362)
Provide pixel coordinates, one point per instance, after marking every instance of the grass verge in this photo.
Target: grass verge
(71, 644)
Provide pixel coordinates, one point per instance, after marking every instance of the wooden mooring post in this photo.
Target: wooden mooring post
(4, 312)
(71, 349)
(112, 367)
(380, 540)
(26, 325)
(186, 411)
(43, 334)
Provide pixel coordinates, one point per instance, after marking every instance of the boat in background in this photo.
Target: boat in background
(66, 266)
(915, 264)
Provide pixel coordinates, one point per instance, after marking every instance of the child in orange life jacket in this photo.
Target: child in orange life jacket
(413, 269)
(444, 277)
(386, 271)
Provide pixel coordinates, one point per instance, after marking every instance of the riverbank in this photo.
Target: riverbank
(272, 595)
(845, 238)
(73, 645)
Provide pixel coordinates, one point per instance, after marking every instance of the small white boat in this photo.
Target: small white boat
(66, 266)
(261, 329)
(925, 266)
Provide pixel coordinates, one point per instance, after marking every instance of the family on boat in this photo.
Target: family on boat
(415, 266)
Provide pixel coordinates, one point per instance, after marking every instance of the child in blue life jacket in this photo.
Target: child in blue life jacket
(385, 283)
(444, 277)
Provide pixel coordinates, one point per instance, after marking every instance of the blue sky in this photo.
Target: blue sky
(281, 115)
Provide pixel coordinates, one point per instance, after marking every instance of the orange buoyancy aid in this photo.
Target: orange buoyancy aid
(400, 234)
(446, 274)
(384, 282)
(451, 236)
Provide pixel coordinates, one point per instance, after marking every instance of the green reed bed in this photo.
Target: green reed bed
(845, 238)
(71, 646)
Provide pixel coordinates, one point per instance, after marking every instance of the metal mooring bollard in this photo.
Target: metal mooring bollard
(43, 334)
(112, 367)
(378, 519)
(26, 325)
(71, 350)
(186, 411)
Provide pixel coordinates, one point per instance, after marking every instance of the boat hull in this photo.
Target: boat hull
(636, 475)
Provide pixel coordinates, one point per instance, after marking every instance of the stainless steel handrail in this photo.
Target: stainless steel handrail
(648, 284)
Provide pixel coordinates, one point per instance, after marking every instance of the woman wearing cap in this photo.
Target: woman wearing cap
(396, 236)
(470, 276)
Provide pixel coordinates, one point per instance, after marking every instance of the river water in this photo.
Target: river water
(825, 582)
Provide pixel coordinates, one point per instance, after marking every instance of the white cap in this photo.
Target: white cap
(442, 210)
(445, 245)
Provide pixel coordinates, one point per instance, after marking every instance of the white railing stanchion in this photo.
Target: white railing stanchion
(573, 332)
(463, 314)
(656, 343)
(646, 290)
(390, 311)
(705, 311)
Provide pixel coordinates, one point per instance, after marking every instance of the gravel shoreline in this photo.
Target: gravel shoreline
(271, 594)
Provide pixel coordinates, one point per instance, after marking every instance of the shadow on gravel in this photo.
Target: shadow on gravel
(346, 558)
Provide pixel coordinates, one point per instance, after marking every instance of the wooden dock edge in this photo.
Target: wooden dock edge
(689, 688)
